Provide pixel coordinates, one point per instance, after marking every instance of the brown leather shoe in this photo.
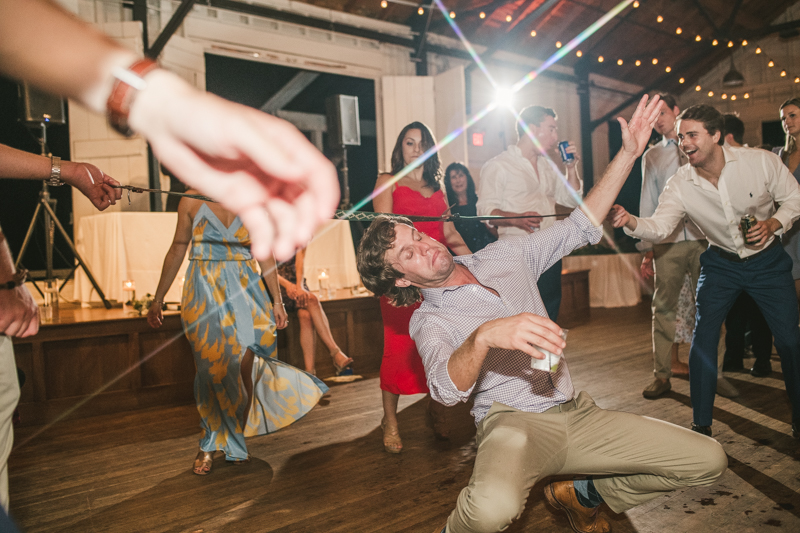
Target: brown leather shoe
(561, 495)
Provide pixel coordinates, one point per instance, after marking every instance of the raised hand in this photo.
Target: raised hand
(92, 182)
(636, 132)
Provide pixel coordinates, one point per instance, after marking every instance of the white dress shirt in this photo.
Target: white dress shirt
(509, 183)
(659, 163)
(751, 180)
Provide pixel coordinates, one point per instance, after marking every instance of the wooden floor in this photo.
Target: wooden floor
(328, 473)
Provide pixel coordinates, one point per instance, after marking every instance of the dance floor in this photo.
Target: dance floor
(329, 473)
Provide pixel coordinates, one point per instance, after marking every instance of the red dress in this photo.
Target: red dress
(401, 368)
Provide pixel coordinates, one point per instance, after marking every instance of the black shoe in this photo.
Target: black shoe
(761, 368)
(703, 430)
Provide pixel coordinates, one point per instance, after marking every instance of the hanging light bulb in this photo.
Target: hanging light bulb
(710, 94)
(452, 14)
(384, 4)
(730, 44)
(746, 96)
(600, 59)
(733, 97)
(744, 42)
(579, 53)
(558, 44)
(638, 63)
(668, 69)
(697, 88)
(678, 31)
(655, 61)
(508, 18)
(482, 15)
(619, 62)
(797, 79)
(659, 19)
(714, 42)
(771, 63)
(636, 4)
(783, 74)
(533, 33)
(758, 50)
(681, 80)
(421, 11)
(698, 38)
(724, 96)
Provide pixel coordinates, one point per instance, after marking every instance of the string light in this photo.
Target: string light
(758, 50)
(655, 61)
(697, 88)
(558, 44)
(746, 96)
(678, 31)
(533, 33)
(638, 63)
(744, 42)
(636, 4)
(771, 63)
(579, 53)
(660, 19)
(452, 14)
(421, 11)
(724, 96)
(710, 94)
(714, 42)
(681, 80)
(730, 44)
(698, 38)
(783, 74)
(600, 59)
(482, 15)
(733, 97)
(619, 61)
(668, 69)
(797, 79)
(384, 4)
(508, 18)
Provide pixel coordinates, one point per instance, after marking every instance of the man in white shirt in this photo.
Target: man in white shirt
(671, 258)
(523, 180)
(718, 187)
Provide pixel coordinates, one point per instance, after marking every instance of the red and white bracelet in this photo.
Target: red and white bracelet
(127, 84)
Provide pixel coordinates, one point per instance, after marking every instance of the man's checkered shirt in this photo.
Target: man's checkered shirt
(449, 315)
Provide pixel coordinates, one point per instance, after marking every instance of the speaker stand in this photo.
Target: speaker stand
(345, 203)
(46, 207)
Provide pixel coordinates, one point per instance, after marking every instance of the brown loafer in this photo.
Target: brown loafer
(561, 495)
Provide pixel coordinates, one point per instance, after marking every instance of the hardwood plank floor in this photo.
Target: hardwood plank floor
(329, 473)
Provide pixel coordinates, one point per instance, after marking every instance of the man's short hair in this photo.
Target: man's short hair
(710, 118)
(669, 100)
(534, 114)
(734, 125)
(376, 272)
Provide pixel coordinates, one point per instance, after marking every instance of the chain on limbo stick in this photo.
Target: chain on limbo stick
(358, 216)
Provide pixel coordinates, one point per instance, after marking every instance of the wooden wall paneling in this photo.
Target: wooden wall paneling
(165, 356)
(81, 366)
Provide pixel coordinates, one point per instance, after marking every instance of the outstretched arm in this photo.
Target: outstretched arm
(635, 135)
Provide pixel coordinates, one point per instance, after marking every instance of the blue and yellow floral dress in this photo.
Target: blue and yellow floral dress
(225, 310)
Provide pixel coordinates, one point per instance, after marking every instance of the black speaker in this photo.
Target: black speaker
(344, 128)
(39, 107)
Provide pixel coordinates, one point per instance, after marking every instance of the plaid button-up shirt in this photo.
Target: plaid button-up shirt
(449, 315)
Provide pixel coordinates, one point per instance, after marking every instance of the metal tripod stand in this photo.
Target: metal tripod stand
(46, 208)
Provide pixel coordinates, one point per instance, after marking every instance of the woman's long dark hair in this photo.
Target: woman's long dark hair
(790, 145)
(452, 197)
(431, 168)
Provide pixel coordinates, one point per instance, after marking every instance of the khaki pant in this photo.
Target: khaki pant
(671, 261)
(632, 458)
(9, 397)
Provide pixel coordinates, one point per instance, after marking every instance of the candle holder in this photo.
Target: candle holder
(129, 294)
(48, 312)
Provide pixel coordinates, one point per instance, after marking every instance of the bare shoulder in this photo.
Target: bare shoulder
(383, 179)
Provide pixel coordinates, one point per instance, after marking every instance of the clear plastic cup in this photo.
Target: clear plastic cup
(551, 360)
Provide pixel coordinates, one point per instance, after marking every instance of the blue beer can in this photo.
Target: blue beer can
(565, 156)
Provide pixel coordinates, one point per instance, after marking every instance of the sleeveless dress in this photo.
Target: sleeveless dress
(791, 239)
(402, 371)
(225, 309)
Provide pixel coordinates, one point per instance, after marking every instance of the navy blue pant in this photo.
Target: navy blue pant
(767, 278)
(549, 286)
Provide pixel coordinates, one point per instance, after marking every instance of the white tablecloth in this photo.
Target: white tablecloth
(132, 246)
(332, 249)
(125, 246)
(613, 278)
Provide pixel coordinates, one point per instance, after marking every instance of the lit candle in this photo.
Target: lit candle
(323, 281)
(129, 291)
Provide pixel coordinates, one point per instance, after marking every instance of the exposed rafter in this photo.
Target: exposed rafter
(170, 28)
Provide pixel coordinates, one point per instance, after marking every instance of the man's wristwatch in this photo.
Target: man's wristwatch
(55, 172)
(18, 279)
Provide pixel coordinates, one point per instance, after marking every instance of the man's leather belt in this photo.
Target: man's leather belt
(734, 258)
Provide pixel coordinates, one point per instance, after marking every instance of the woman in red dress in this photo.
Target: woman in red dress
(417, 193)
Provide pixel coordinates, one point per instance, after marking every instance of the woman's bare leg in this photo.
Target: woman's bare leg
(308, 340)
(391, 432)
(323, 328)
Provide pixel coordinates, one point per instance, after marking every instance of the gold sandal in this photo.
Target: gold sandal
(341, 368)
(391, 438)
(203, 463)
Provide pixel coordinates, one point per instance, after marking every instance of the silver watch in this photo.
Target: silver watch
(55, 172)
